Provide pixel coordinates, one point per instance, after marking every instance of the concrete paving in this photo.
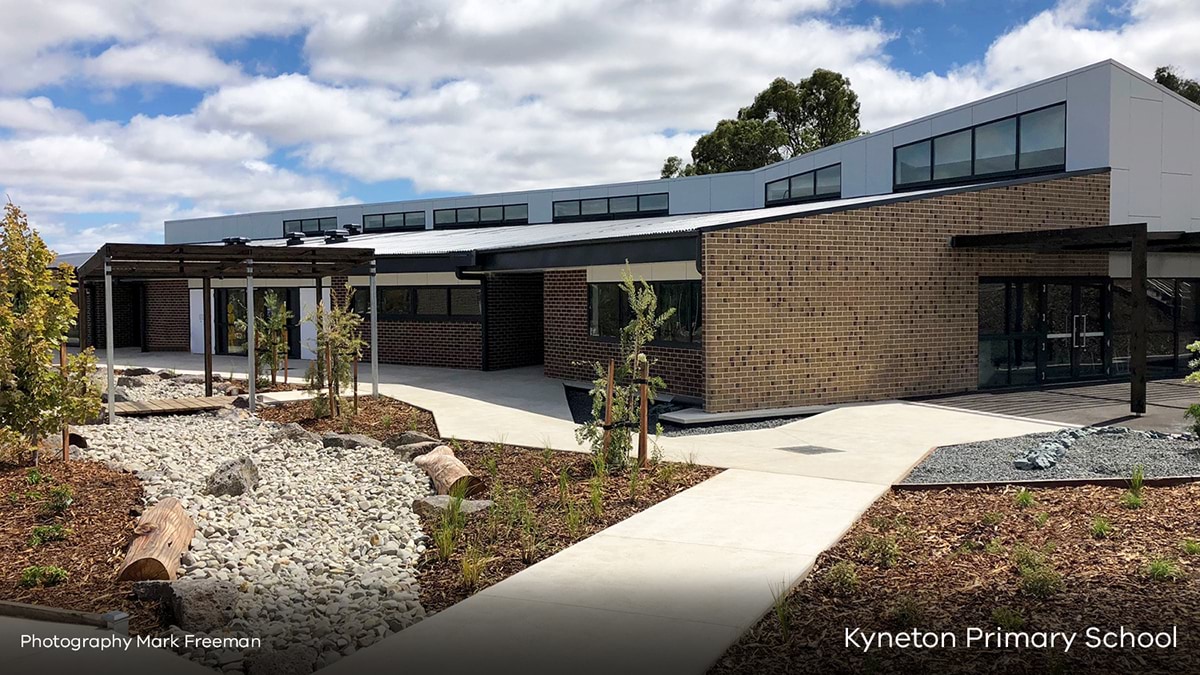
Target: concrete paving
(30, 659)
(668, 589)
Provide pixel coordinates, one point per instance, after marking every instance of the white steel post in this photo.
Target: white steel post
(374, 310)
(108, 339)
(250, 344)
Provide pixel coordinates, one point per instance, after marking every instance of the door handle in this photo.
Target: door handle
(1075, 330)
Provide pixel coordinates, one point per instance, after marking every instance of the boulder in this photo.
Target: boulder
(236, 414)
(167, 374)
(118, 396)
(242, 401)
(335, 440)
(233, 391)
(408, 438)
(233, 477)
(77, 440)
(203, 605)
(433, 506)
(295, 660)
(407, 452)
(192, 379)
(156, 591)
(136, 372)
(130, 381)
(295, 432)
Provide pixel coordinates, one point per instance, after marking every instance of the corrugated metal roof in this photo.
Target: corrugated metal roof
(437, 242)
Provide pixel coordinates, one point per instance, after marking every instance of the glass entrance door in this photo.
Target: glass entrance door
(229, 312)
(1074, 323)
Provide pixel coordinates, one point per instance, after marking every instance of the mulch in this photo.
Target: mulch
(954, 567)
(101, 519)
(379, 418)
(534, 475)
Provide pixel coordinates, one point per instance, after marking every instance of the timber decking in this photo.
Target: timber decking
(173, 406)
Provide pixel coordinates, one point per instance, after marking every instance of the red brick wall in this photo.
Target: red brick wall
(872, 303)
(168, 321)
(514, 320)
(567, 340)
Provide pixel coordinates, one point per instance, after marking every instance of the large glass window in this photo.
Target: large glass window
(1172, 323)
(608, 311)
(1044, 138)
(821, 183)
(952, 155)
(913, 163)
(394, 221)
(512, 214)
(611, 208)
(1008, 333)
(310, 225)
(996, 147)
(407, 303)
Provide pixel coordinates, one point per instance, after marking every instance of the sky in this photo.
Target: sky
(116, 115)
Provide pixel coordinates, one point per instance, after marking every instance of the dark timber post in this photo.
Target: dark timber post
(1137, 345)
(208, 328)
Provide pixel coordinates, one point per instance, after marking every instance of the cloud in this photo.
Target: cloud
(159, 62)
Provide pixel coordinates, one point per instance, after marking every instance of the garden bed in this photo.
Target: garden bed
(1096, 453)
(579, 401)
(545, 501)
(1058, 559)
(379, 418)
(97, 525)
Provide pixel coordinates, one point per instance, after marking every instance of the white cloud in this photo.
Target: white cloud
(473, 95)
(159, 62)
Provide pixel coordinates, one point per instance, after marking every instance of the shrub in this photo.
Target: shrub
(1137, 480)
(47, 533)
(564, 482)
(1024, 499)
(58, 500)
(841, 579)
(1040, 582)
(1041, 519)
(779, 605)
(596, 495)
(1162, 569)
(1131, 500)
(992, 518)
(879, 550)
(994, 547)
(338, 330)
(1024, 558)
(1191, 547)
(34, 476)
(906, 613)
(472, 565)
(1193, 411)
(574, 520)
(38, 575)
(1007, 618)
(1101, 528)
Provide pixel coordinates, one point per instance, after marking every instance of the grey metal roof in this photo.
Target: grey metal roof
(440, 242)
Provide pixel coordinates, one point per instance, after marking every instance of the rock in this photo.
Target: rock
(167, 374)
(203, 605)
(295, 432)
(157, 591)
(118, 396)
(232, 414)
(136, 372)
(76, 440)
(409, 438)
(294, 660)
(233, 477)
(334, 440)
(433, 506)
(242, 402)
(130, 381)
(232, 390)
(407, 452)
(191, 379)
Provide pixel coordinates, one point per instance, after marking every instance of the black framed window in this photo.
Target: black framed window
(309, 225)
(471, 216)
(421, 303)
(407, 220)
(1008, 332)
(608, 311)
(1172, 323)
(1029, 143)
(611, 208)
(822, 183)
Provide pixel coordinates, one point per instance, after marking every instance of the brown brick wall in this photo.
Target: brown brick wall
(567, 340)
(168, 322)
(872, 303)
(514, 320)
(127, 327)
(446, 344)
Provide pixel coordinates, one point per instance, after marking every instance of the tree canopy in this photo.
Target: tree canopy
(1169, 77)
(784, 120)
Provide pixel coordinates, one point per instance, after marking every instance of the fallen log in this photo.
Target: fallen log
(448, 473)
(163, 532)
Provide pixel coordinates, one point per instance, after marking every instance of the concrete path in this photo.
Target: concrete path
(30, 660)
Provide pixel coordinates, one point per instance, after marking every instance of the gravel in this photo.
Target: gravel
(153, 388)
(322, 552)
(1104, 452)
(580, 403)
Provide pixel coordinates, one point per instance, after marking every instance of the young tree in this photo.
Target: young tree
(270, 332)
(36, 311)
(786, 119)
(339, 336)
(639, 332)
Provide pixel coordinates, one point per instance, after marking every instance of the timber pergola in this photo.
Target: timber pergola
(235, 259)
(1132, 238)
